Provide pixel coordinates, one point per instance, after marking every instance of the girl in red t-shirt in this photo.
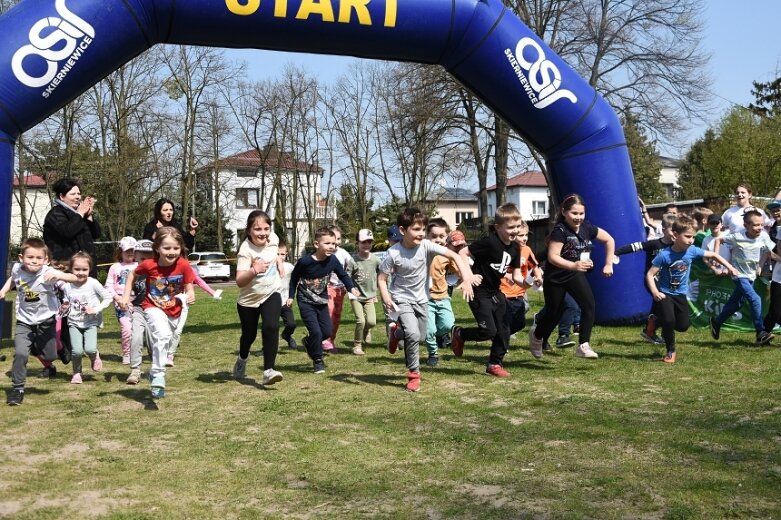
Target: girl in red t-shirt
(169, 287)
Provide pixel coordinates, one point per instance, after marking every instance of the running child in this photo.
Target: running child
(258, 279)
(569, 258)
(773, 315)
(143, 251)
(440, 311)
(514, 293)
(749, 250)
(310, 282)
(124, 262)
(285, 269)
(408, 262)
(86, 298)
(673, 267)
(363, 271)
(494, 256)
(336, 292)
(36, 307)
(169, 287)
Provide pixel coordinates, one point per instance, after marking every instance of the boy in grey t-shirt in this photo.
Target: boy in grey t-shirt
(408, 262)
(36, 308)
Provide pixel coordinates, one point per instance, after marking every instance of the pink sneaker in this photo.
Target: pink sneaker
(97, 363)
(76, 379)
(328, 346)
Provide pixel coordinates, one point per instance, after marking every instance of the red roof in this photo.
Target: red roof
(529, 179)
(31, 181)
(272, 157)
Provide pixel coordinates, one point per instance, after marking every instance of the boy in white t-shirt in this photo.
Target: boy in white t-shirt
(750, 249)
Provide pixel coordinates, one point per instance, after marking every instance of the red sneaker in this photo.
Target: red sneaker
(497, 371)
(393, 341)
(413, 381)
(456, 341)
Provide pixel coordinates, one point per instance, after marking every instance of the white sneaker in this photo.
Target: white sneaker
(271, 376)
(584, 351)
(125, 359)
(217, 294)
(240, 368)
(535, 344)
(169, 360)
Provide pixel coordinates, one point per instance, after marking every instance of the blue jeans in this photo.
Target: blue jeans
(744, 289)
(570, 317)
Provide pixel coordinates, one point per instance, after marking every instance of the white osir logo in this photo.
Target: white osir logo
(542, 80)
(68, 29)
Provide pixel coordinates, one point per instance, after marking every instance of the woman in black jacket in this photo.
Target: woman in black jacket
(71, 225)
(165, 212)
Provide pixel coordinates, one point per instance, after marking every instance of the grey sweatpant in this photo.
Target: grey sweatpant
(36, 339)
(413, 320)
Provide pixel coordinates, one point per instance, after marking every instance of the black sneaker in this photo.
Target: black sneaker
(565, 341)
(47, 372)
(319, 366)
(291, 343)
(432, 361)
(715, 328)
(15, 397)
(763, 337)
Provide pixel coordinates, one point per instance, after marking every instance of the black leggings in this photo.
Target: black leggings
(773, 315)
(672, 314)
(269, 312)
(580, 290)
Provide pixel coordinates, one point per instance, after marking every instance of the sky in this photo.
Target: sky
(743, 39)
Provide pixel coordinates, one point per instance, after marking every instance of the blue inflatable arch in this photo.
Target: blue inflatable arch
(53, 50)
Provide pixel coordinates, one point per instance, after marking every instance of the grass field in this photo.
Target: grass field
(625, 436)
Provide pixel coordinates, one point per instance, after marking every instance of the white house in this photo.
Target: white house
(528, 191)
(37, 203)
(668, 176)
(269, 179)
(454, 205)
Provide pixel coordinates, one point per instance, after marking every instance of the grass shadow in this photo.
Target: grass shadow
(227, 377)
(640, 356)
(138, 394)
(369, 379)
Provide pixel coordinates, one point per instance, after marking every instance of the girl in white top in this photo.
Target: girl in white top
(285, 270)
(732, 218)
(115, 284)
(257, 275)
(86, 298)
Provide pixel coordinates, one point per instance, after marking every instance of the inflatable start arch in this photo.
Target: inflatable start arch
(53, 50)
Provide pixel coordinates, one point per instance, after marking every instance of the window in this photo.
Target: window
(246, 172)
(463, 215)
(490, 210)
(539, 208)
(247, 198)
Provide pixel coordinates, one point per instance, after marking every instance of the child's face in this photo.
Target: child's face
(684, 239)
(326, 245)
(507, 230)
(438, 235)
(413, 235)
(776, 214)
(80, 269)
(338, 237)
(282, 253)
(33, 259)
(715, 229)
(143, 255)
(523, 236)
(365, 246)
(169, 251)
(575, 215)
(128, 255)
(753, 226)
(259, 232)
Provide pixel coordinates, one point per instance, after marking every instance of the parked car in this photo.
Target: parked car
(210, 265)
